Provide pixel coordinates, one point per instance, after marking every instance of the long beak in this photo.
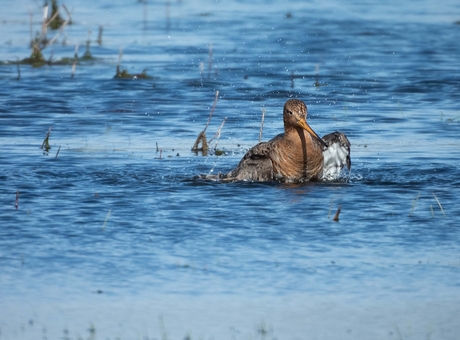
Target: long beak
(303, 124)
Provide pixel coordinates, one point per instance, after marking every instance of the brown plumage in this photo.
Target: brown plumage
(295, 155)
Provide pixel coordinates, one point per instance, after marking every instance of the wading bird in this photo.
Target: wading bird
(297, 155)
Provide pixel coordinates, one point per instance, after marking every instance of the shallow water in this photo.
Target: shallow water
(115, 236)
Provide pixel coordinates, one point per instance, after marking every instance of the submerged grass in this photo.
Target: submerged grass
(106, 219)
(439, 203)
(414, 203)
(416, 199)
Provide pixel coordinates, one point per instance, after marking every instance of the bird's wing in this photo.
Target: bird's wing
(255, 166)
(336, 155)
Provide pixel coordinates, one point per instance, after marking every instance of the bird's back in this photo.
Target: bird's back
(256, 165)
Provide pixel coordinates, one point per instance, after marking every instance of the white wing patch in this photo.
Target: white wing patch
(336, 156)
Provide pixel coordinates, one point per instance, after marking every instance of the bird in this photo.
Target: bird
(295, 156)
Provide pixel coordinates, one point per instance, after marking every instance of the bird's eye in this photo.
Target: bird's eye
(290, 112)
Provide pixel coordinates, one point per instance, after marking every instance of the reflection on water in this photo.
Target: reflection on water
(115, 236)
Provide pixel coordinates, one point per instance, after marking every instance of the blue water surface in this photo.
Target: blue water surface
(114, 235)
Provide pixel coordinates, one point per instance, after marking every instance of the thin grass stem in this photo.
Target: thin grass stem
(262, 125)
(439, 203)
(336, 217)
(106, 219)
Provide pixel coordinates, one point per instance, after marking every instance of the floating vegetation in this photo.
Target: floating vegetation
(126, 75)
(336, 216)
(204, 144)
(87, 56)
(36, 59)
(202, 135)
(41, 41)
(56, 21)
(46, 145)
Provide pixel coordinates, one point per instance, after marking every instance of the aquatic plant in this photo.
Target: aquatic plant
(161, 151)
(261, 125)
(126, 75)
(209, 61)
(202, 135)
(36, 58)
(204, 144)
(317, 84)
(57, 153)
(87, 55)
(16, 205)
(336, 216)
(56, 21)
(45, 145)
(40, 42)
(414, 203)
(439, 203)
(217, 136)
(99, 36)
(106, 218)
(74, 64)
